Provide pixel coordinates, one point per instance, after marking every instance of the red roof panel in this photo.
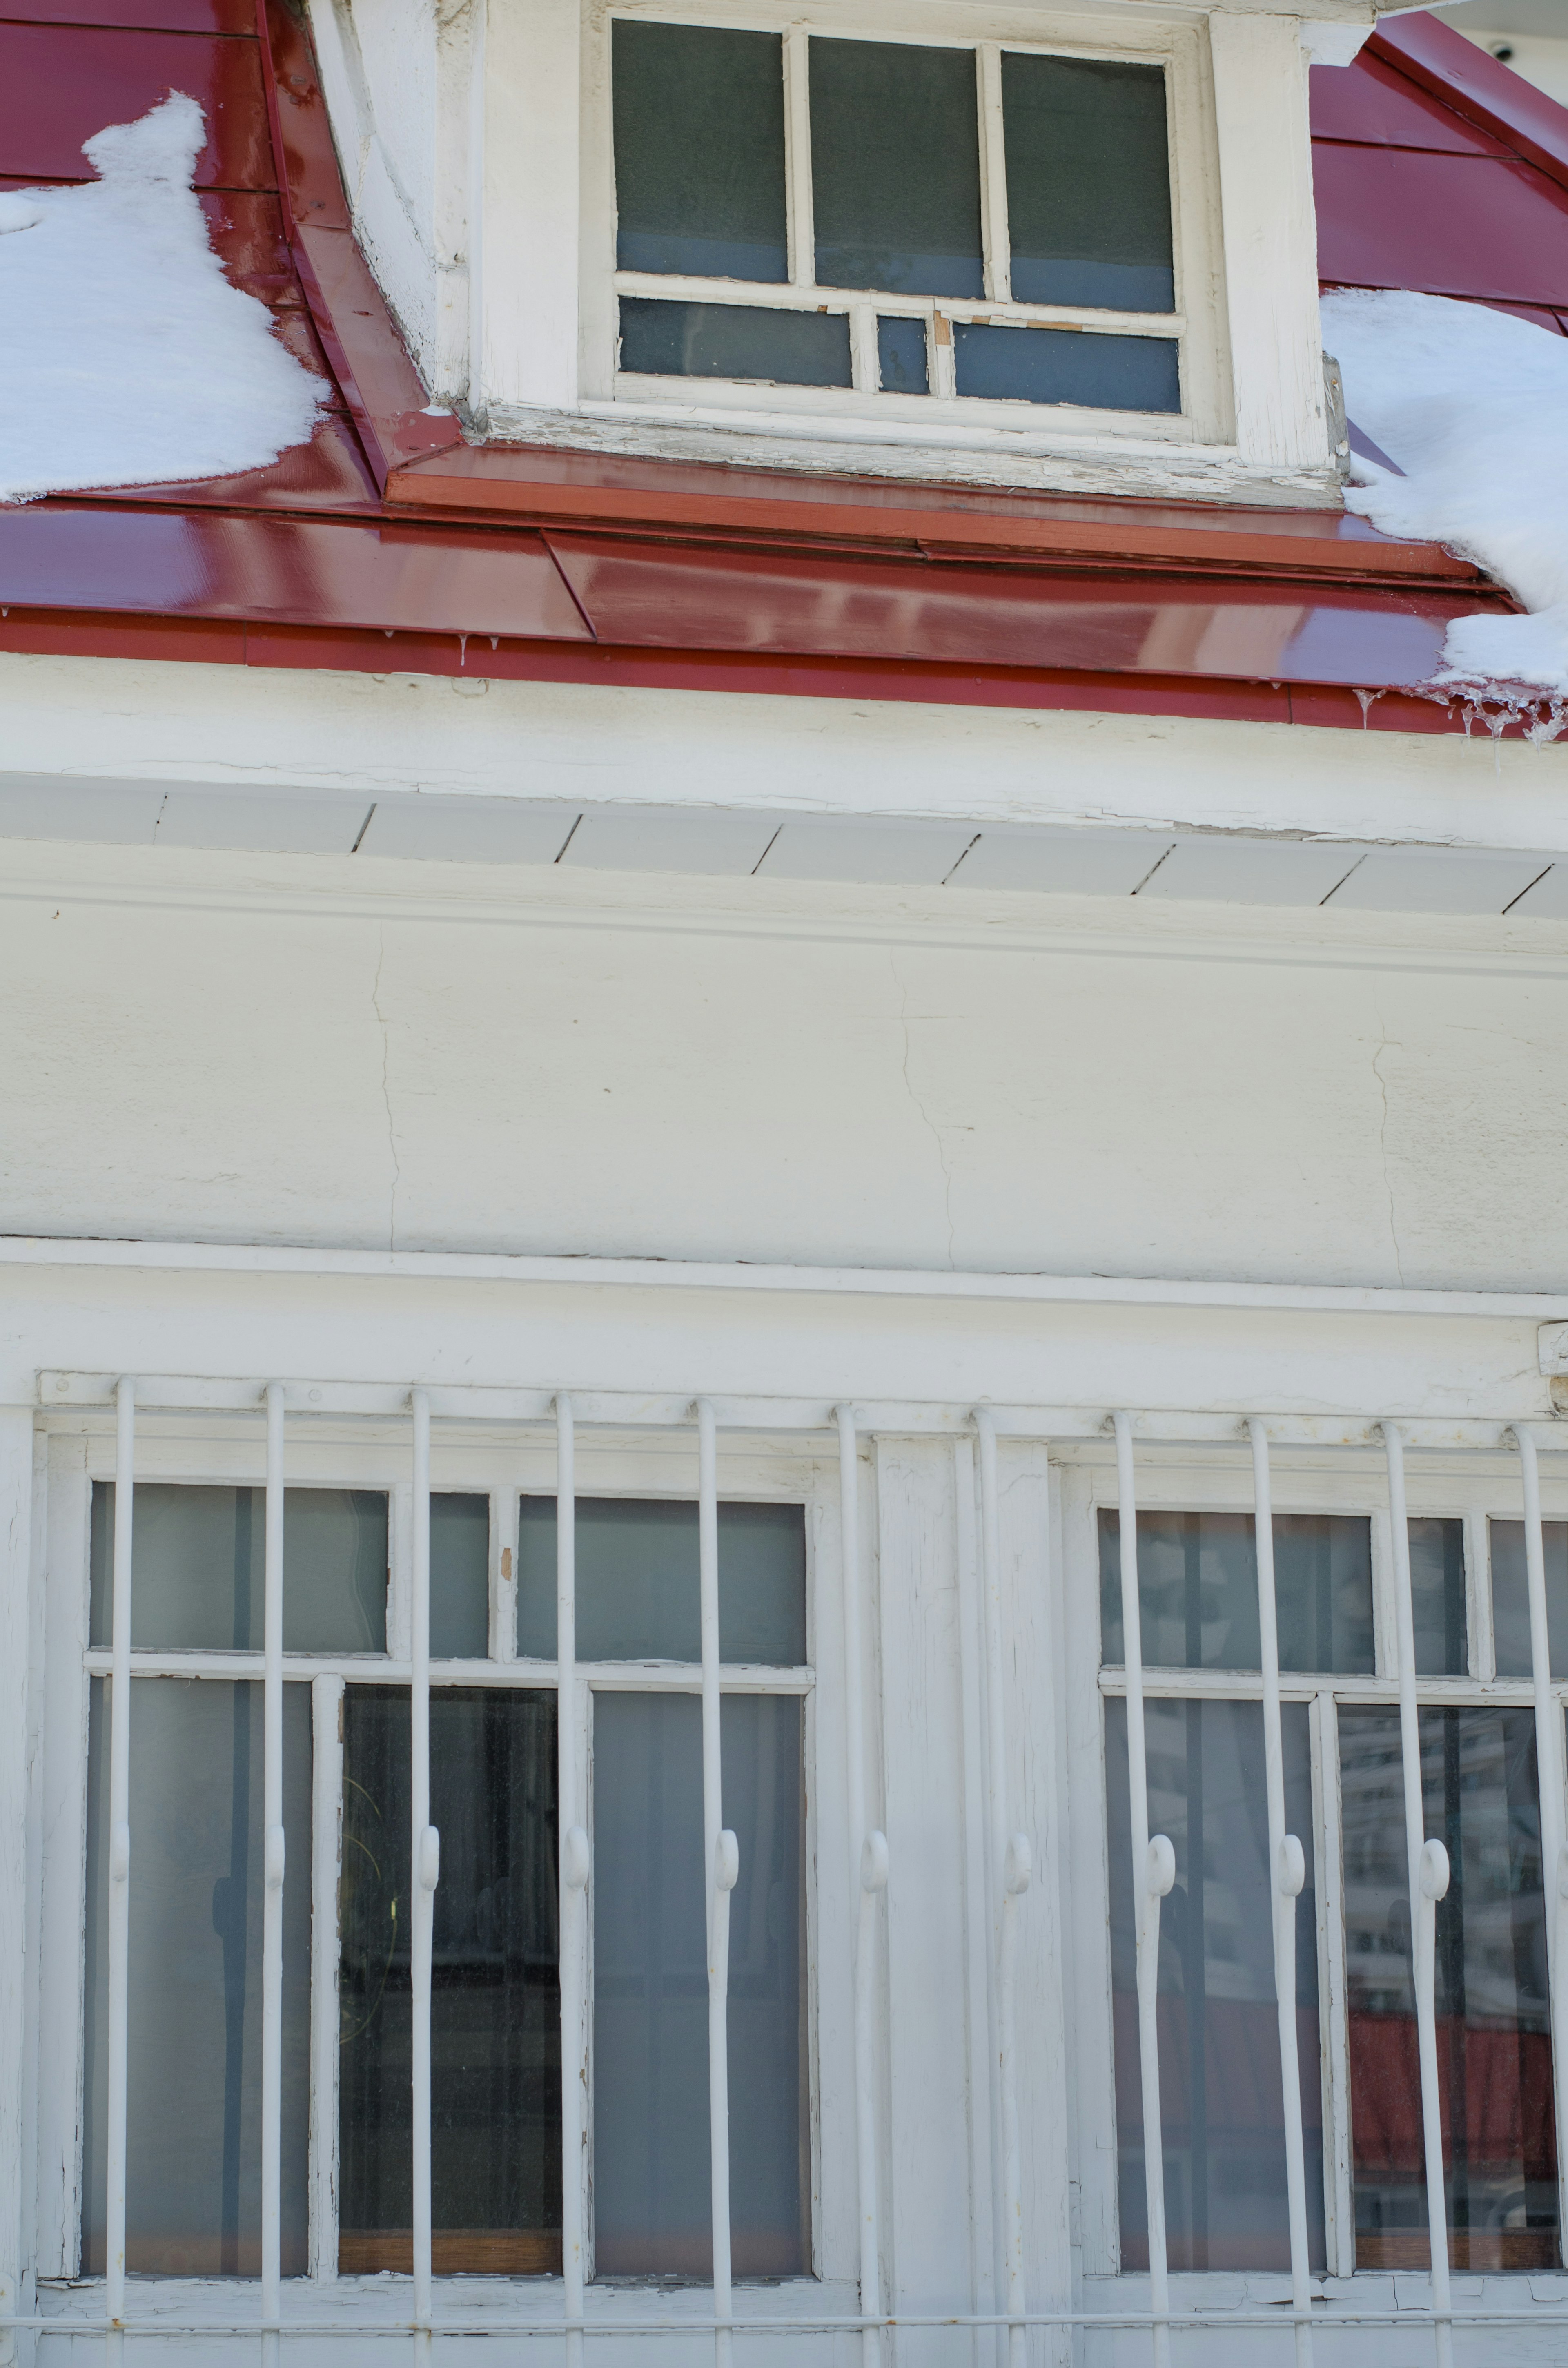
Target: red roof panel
(62, 83)
(1373, 103)
(1450, 225)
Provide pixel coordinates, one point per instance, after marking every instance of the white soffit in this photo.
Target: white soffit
(1069, 862)
(1254, 870)
(469, 830)
(1545, 899)
(280, 822)
(108, 814)
(1437, 880)
(670, 838)
(889, 854)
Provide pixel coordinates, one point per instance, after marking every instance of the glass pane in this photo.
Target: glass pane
(193, 2131)
(460, 1577)
(1220, 2094)
(1478, 1774)
(1511, 1603)
(1088, 182)
(651, 2198)
(895, 168)
(1101, 374)
(199, 1568)
(495, 1996)
(901, 355)
(1436, 1595)
(638, 1585)
(1197, 1591)
(749, 341)
(699, 152)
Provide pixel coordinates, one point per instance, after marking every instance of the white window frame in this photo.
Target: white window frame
(942, 416)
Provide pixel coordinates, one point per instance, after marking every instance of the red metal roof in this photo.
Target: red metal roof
(389, 543)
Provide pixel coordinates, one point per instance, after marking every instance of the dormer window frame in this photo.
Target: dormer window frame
(942, 418)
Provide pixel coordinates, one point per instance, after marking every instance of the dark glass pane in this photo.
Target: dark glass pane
(495, 1996)
(1197, 1591)
(652, 2191)
(895, 168)
(1511, 1602)
(750, 341)
(699, 152)
(638, 1589)
(1088, 182)
(460, 1577)
(193, 2129)
(1220, 2094)
(1100, 373)
(1478, 1775)
(1437, 1596)
(901, 355)
(198, 1559)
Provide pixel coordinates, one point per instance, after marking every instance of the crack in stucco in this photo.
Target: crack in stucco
(1387, 1043)
(386, 1089)
(926, 1120)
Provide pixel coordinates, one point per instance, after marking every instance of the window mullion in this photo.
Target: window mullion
(1333, 2027)
(997, 246)
(327, 1853)
(863, 362)
(799, 229)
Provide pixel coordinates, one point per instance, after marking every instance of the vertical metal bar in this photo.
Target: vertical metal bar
(574, 1870)
(120, 1870)
(327, 1860)
(868, 1877)
(1423, 1908)
(801, 231)
(1287, 1865)
(995, 239)
(425, 1870)
(1153, 1872)
(722, 1858)
(1549, 1756)
(1010, 1869)
(272, 1895)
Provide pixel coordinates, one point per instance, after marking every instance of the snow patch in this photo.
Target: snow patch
(1472, 404)
(128, 358)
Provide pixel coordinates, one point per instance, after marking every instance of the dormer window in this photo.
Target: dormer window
(958, 228)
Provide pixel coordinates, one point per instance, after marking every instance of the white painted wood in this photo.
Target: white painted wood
(468, 830)
(62, 1871)
(1333, 2036)
(829, 849)
(326, 1867)
(1074, 863)
(986, 2234)
(504, 1573)
(667, 839)
(16, 1486)
(994, 239)
(530, 231)
(306, 823)
(798, 156)
(1437, 880)
(1253, 870)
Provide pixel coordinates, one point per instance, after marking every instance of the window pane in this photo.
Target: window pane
(1478, 1774)
(1220, 2094)
(1088, 182)
(460, 1577)
(699, 152)
(749, 341)
(199, 1568)
(1436, 1595)
(652, 2197)
(901, 355)
(1197, 1591)
(193, 2134)
(495, 2001)
(895, 168)
(638, 1583)
(1101, 374)
(1510, 1599)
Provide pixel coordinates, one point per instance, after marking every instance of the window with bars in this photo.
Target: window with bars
(958, 223)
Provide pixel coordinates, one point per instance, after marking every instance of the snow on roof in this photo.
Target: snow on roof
(127, 356)
(1473, 405)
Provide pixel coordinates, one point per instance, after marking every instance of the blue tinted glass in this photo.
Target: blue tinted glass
(1088, 182)
(782, 349)
(901, 355)
(699, 152)
(1511, 1604)
(460, 1577)
(197, 1569)
(895, 168)
(1100, 373)
(637, 1581)
(1197, 1591)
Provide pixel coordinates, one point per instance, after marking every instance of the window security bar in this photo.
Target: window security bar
(1428, 1870)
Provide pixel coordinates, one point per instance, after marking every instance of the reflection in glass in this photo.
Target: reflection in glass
(1197, 1591)
(1221, 2096)
(198, 1566)
(895, 168)
(1088, 182)
(638, 1588)
(652, 2197)
(1478, 1772)
(1020, 364)
(698, 151)
(495, 1997)
(665, 339)
(1510, 1599)
(901, 355)
(1438, 1599)
(193, 2133)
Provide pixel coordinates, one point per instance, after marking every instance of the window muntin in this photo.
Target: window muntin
(904, 163)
